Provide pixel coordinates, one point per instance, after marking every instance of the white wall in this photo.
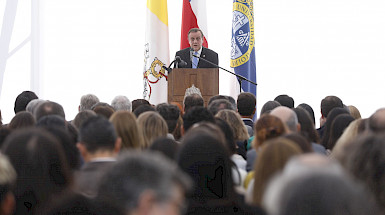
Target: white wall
(305, 49)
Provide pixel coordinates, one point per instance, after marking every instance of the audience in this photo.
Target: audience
(118, 163)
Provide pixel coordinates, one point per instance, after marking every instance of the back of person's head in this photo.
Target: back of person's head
(267, 127)
(33, 104)
(152, 126)
(138, 177)
(192, 100)
(196, 114)
(170, 114)
(339, 124)
(269, 106)
(81, 117)
(307, 125)
(272, 158)
(142, 109)
(87, 101)
(219, 104)
(41, 168)
(376, 122)
(216, 97)
(300, 141)
(139, 102)
(104, 111)
(309, 109)
(328, 103)
(350, 134)
(288, 117)
(235, 122)
(97, 134)
(166, 146)
(49, 108)
(127, 129)
(317, 192)
(23, 99)
(4, 133)
(328, 125)
(22, 119)
(228, 134)
(121, 103)
(364, 158)
(354, 112)
(285, 100)
(52, 121)
(7, 183)
(205, 158)
(246, 104)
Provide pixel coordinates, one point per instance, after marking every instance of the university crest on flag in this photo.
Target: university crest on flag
(242, 41)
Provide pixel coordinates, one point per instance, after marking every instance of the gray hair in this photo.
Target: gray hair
(192, 90)
(33, 104)
(87, 101)
(121, 103)
(134, 173)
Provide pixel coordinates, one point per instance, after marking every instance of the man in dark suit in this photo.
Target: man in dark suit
(98, 145)
(195, 38)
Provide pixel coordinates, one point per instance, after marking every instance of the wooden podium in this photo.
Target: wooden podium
(206, 79)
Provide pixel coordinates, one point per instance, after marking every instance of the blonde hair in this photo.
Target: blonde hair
(127, 129)
(151, 126)
(272, 158)
(354, 112)
(235, 122)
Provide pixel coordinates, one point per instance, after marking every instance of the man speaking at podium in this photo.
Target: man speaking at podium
(195, 38)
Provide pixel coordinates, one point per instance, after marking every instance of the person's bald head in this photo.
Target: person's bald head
(288, 117)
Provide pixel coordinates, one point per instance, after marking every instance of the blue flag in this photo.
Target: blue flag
(242, 43)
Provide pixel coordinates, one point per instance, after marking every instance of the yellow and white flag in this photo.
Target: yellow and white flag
(156, 52)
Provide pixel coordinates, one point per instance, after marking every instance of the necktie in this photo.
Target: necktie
(195, 61)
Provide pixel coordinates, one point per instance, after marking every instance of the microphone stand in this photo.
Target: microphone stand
(240, 78)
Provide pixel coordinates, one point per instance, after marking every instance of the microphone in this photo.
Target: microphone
(180, 61)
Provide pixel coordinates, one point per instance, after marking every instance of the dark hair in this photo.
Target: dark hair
(42, 171)
(49, 108)
(329, 103)
(139, 102)
(23, 99)
(97, 133)
(196, 114)
(219, 104)
(228, 134)
(51, 121)
(104, 111)
(246, 104)
(309, 109)
(285, 100)
(22, 119)
(101, 104)
(192, 101)
(328, 125)
(194, 30)
(307, 126)
(300, 141)
(142, 109)
(269, 106)
(4, 133)
(338, 126)
(166, 146)
(81, 117)
(170, 114)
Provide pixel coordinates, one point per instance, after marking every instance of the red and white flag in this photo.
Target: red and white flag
(193, 16)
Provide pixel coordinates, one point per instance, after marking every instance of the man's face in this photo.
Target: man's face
(195, 39)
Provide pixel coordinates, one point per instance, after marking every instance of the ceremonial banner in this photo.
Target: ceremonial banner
(156, 52)
(242, 43)
(193, 16)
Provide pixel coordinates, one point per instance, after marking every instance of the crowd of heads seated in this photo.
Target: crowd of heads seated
(109, 160)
